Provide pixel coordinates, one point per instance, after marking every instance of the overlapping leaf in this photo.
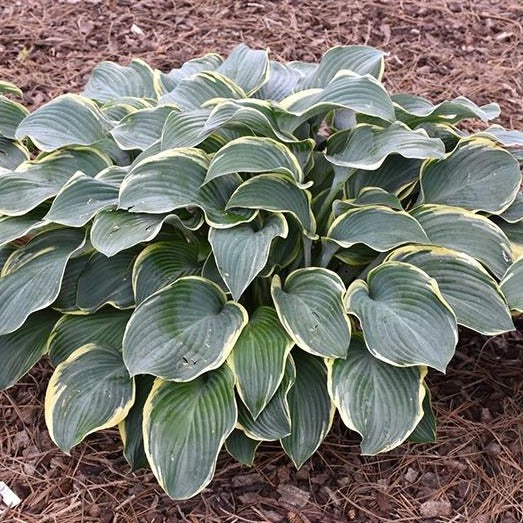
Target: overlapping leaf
(66, 300)
(115, 230)
(467, 232)
(258, 359)
(475, 176)
(210, 272)
(72, 331)
(376, 226)
(35, 181)
(241, 447)
(404, 317)
(252, 154)
(184, 129)
(242, 252)
(173, 179)
(14, 227)
(473, 294)
(514, 212)
(274, 421)
(182, 331)
(512, 285)
(12, 154)
(355, 256)
(347, 91)
(413, 110)
(514, 233)
(110, 81)
(142, 128)
(106, 281)
(370, 196)
(310, 407)
(5, 253)
(185, 425)
(69, 119)
(284, 250)
(11, 114)
(248, 68)
(91, 390)
(310, 307)
(31, 277)
(507, 138)
(273, 192)
(115, 110)
(282, 80)
(361, 386)
(108, 146)
(131, 427)
(21, 349)
(162, 263)
(207, 62)
(360, 59)
(194, 91)
(80, 199)
(249, 116)
(367, 146)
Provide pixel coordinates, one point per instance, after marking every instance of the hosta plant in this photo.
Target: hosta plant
(233, 251)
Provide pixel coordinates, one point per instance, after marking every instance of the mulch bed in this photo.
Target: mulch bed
(438, 49)
(474, 473)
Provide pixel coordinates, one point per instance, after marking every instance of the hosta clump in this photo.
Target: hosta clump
(230, 252)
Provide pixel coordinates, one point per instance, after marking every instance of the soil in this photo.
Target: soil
(438, 49)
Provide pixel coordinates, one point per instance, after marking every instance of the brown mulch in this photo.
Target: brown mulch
(438, 49)
(474, 473)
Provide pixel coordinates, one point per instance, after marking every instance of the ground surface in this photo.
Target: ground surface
(438, 49)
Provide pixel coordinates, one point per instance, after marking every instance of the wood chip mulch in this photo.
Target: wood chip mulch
(439, 49)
